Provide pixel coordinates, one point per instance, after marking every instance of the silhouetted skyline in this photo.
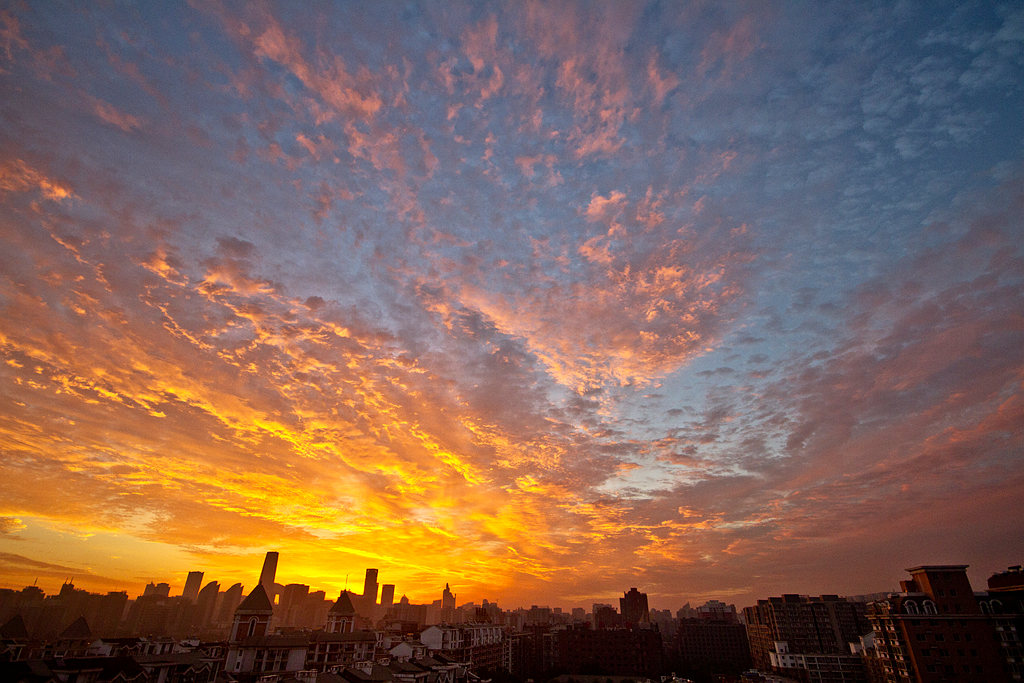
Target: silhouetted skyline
(544, 300)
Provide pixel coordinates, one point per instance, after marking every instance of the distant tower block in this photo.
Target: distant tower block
(634, 608)
(370, 589)
(192, 586)
(447, 598)
(387, 595)
(269, 573)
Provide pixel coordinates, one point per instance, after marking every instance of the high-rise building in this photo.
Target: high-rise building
(447, 598)
(633, 606)
(230, 600)
(712, 646)
(292, 604)
(269, 573)
(604, 616)
(157, 590)
(192, 585)
(387, 595)
(205, 603)
(370, 590)
(805, 636)
(938, 629)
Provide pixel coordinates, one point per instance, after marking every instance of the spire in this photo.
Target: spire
(77, 630)
(343, 606)
(257, 601)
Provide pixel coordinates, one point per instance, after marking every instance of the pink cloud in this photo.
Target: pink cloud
(601, 208)
(661, 85)
(724, 51)
(480, 45)
(10, 35)
(327, 76)
(108, 113)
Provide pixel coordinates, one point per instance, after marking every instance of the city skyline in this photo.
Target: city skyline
(535, 299)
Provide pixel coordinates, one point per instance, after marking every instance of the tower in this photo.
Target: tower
(252, 618)
(447, 598)
(192, 585)
(269, 573)
(205, 603)
(342, 616)
(387, 595)
(370, 591)
(633, 606)
(230, 602)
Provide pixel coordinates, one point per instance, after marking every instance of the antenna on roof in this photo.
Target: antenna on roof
(346, 581)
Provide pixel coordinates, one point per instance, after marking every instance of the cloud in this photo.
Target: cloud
(329, 79)
(543, 300)
(10, 35)
(18, 176)
(10, 525)
(108, 113)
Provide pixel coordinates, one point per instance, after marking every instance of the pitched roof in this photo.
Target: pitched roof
(377, 673)
(14, 629)
(343, 606)
(258, 601)
(77, 630)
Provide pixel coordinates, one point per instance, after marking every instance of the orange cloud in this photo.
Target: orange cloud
(17, 176)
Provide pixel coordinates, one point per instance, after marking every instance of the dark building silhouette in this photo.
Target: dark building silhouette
(192, 585)
(369, 598)
(706, 647)
(269, 573)
(608, 652)
(206, 601)
(633, 606)
(387, 596)
(229, 602)
(157, 590)
(807, 637)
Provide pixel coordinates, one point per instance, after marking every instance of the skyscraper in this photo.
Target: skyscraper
(633, 606)
(387, 595)
(370, 589)
(269, 573)
(192, 585)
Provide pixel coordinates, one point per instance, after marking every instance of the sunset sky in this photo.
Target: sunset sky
(543, 300)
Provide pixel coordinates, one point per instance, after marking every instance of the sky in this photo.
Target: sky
(541, 300)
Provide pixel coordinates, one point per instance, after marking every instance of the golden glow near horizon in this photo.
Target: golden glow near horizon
(542, 302)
